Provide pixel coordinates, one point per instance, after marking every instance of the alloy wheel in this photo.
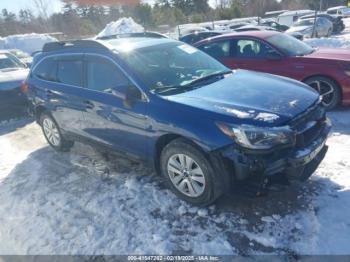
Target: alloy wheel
(186, 175)
(326, 91)
(51, 132)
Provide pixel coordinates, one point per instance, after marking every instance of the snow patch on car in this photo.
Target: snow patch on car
(235, 112)
(267, 117)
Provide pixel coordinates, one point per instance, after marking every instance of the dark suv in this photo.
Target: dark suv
(199, 124)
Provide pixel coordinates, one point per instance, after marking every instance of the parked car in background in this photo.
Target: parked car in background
(253, 27)
(344, 11)
(203, 127)
(186, 30)
(337, 21)
(139, 34)
(13, 102)
(198, 36)
(306, 27)
(23, 56)
(275, 25)
(236, 25)
(290, 17)
(247, 28)
(325, 70)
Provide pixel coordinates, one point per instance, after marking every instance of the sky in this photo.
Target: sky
(16, 5)
(54, 5)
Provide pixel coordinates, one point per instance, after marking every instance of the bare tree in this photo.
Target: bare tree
(42, 6)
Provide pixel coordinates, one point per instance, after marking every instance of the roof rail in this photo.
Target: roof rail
(55, 46)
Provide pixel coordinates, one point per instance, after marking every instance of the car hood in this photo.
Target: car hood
(331, 53)
(251, 98)
(298, 28)
(12, 79)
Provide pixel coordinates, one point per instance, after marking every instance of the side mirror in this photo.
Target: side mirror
(273, 55)
(128, 93)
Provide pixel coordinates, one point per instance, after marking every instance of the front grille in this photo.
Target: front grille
(309, 126)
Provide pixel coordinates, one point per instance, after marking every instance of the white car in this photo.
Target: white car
(290, 17)
(344, 11)
(23, 56)
(324, 27)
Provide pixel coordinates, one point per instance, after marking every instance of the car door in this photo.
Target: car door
(109, 118)
(220, 50)
(253, 54)
(58, 83)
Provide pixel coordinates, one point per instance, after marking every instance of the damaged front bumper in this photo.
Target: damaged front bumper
(294, 164)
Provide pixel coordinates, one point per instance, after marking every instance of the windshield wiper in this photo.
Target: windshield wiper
(208, 77)
(189, 86)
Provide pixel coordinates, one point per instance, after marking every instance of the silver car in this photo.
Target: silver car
(323, 28)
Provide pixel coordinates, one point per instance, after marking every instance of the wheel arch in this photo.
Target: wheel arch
(329, 77)
(38, 111)
(164, 140)
(219, 163)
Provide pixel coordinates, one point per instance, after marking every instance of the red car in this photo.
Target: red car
(326, 70)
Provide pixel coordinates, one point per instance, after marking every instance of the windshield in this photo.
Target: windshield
(290, 45)
(20, 54)
(8, 61)
(305, 22)
(173, 65)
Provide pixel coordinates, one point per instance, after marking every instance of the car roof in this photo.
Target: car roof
(257, 34)
(4, 51)
(134, 43)
(296, 12)
(119, 44)
(337, 7)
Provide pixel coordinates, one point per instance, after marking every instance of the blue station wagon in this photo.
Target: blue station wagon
(203, 127)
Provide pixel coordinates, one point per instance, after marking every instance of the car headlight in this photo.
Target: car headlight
(258, 137)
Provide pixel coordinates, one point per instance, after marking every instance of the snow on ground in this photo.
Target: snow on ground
(337, 41)
(123, 25)
(27, 42)
(84, 203)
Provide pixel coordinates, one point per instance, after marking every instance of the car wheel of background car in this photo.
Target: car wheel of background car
(329, 32)
(189, 174)
(53, 134)
(328, 89)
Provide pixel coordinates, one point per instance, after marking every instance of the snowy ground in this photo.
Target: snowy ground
(82, 203)
(67, 203)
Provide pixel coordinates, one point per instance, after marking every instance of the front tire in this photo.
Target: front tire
(53, 134)
(189, 174)
(328, 89)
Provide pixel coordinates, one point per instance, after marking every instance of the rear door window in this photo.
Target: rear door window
(70, 72)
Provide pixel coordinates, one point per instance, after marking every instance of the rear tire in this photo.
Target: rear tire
(53, 133)
(330, 31)
(189, 174)
(328, 88)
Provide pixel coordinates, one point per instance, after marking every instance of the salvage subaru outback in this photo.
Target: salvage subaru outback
(203, 127)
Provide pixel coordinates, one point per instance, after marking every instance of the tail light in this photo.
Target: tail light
(24, 87)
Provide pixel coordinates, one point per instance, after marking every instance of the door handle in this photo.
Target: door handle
(89, 104)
